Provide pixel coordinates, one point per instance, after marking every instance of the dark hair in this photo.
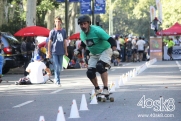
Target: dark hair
(0, 34)
(58, 17)
(28, 39)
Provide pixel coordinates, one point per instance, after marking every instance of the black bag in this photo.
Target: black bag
(24, 81)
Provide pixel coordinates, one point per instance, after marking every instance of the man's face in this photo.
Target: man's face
(84, 26)
(58, 22)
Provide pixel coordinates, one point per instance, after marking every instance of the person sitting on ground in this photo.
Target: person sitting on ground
(35, 70)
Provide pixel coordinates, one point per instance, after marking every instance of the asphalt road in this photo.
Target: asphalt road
(153, 95)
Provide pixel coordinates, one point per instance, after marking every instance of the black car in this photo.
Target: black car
(11, 52)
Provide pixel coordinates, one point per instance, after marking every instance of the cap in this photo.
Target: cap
(37, 57)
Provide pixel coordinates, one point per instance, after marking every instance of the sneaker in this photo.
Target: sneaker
(105, 92)
(16, 83)
(98, 91)
(59, 85)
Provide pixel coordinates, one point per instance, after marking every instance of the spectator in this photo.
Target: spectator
(77, 43)
(116, 60)
(57, 47)
(134, 49)
(70, 50)
(128, 50)
(27, 49)
(146, 49)
(140, 45)
(122, 47)
(177, 41)
(36, 74)
(170, 45)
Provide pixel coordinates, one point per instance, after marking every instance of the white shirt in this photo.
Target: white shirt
(177, 42)
(67, 41)
(77, 43)
(133, 44)
(118, 44)
(140, 44)
(36, 74)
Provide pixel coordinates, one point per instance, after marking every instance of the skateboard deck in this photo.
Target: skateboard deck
(102, 97)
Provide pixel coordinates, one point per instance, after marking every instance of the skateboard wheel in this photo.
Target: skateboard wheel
(103, 99)
(99, 99)
(111, 99)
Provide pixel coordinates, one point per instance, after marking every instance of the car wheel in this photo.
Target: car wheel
(5, 70)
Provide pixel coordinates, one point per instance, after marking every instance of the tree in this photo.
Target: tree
(14, 15)
(43, 6)
(171, 12)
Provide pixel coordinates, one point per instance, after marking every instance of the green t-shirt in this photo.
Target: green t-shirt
(169, 43)
(121, 41)
(95, 40)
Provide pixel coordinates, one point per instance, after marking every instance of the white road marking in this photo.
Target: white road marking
(56, 91)
(112, 69)
(22, 104)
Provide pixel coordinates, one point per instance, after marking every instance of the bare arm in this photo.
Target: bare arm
(48, 71)
(49, 49)
(65, 47)
(28, 70)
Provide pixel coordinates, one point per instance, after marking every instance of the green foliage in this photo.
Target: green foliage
(171, 12)
(42, 7)
(129, 16)
(133, 16)
(17, 22)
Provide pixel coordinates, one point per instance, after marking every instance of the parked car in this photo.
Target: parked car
(11, 52)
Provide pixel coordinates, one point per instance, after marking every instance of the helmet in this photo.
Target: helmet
(43, 50)
(84, 18)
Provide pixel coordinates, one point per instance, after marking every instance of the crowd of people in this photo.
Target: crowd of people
(131, 49)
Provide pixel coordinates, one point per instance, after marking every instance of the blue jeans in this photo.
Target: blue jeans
(57, 62)
(1, 64)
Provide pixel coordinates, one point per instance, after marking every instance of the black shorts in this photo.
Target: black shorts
(140, 51)
(169, 51)
(134, 51)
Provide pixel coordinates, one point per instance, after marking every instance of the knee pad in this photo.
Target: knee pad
(100, 67)
(91, 73)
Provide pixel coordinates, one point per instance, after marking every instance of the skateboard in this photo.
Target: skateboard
(102, 98)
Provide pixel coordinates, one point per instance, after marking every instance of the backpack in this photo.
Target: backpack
(24, 81)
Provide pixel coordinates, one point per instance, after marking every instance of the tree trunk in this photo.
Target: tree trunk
(2, 9)
(31, 13)
(50, 19)
(72, 21)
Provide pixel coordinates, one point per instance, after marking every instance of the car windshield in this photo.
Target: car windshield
(10, 38)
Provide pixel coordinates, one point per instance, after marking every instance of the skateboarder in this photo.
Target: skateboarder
(101, 47)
